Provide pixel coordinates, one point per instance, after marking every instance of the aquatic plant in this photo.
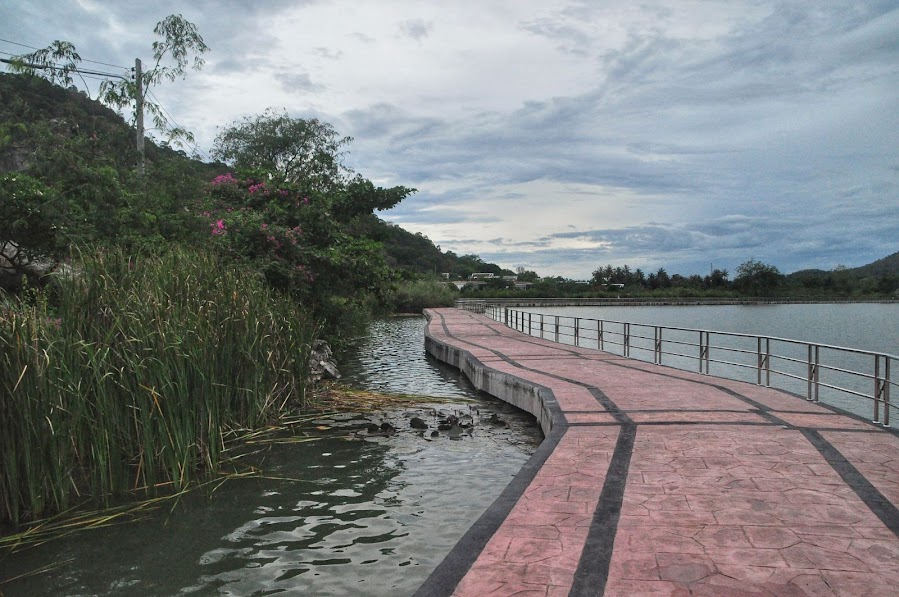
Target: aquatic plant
(127, 376)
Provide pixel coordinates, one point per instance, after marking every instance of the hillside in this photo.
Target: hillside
(888, 266)
(46, 130)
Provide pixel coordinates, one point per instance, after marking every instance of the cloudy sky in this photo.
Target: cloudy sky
(561, 135)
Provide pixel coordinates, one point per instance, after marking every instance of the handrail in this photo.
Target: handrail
(846, 369)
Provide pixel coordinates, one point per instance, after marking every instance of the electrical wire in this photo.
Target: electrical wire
(96, 76)
(192, 145)
(15, 43)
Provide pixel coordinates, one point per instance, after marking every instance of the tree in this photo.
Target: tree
(180, 40)
(56, 63)
(526, 275)
(717, 279)
(296, 150)
(757, 278)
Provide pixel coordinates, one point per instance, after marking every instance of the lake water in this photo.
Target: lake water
(865, 326)
(353, 513)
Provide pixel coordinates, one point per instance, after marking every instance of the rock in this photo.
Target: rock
(417, 423)
(387, 428)
(321, 361)
(435, 433)
(16, 262)
(372, 428)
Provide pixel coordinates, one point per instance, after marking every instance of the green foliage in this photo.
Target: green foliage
(135, 373)
(757, 278)
(294, 150)
(33, 217)
(180, 39)
(56, 63)
(415, 296)
(300, 246)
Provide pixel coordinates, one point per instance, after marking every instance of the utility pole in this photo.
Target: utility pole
(138, 100)
(139, 115)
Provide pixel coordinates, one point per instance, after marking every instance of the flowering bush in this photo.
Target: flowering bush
(259, 220)
(304, 241)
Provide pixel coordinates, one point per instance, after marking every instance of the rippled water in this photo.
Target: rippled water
(353, 513)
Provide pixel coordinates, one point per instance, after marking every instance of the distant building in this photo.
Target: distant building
(481, 276)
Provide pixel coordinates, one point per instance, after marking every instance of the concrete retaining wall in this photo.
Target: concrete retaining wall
(530, 397)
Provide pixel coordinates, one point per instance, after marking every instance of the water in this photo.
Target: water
(864, 326)
(867, 326)
(352, 513)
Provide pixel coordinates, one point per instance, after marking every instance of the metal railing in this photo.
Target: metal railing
(835, 375)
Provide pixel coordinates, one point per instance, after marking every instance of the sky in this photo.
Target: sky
(560, 136)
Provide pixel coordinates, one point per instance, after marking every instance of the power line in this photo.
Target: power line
(15, 43)
(193, 146)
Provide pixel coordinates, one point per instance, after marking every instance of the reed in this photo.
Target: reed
(130, 374)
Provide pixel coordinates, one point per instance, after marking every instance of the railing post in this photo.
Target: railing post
(817, 370)
(577, 331)
(557, 328)
(763, 362)
(627, 340)
(812, 376)
(886, 392)
(529, 323)
(541, 326)
(705, 350)
(658, 345)
(878, 388)
(599, 339)
(506, 315)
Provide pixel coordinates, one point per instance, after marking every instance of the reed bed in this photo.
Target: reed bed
(129, 376)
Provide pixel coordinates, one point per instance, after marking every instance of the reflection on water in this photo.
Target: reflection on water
(354, 513)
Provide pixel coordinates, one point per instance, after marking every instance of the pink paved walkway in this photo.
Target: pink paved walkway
(656, 481)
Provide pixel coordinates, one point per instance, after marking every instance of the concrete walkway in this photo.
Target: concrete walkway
(656, 481)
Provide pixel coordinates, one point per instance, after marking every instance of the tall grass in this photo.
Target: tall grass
(132, 373)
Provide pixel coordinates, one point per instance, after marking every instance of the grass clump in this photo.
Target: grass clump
(127, 377)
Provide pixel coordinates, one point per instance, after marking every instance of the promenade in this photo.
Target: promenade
(656, 481)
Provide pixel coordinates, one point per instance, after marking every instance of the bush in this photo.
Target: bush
(415, 296)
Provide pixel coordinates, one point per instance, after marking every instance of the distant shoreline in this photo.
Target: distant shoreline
(463, 303)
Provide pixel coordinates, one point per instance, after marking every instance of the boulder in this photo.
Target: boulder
(322, 364)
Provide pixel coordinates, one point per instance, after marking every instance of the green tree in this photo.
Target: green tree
(56, 63)
(297, 151)
(757, 278)
(180, 42)
(295, 212)
(526, 275)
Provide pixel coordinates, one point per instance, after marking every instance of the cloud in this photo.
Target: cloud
(416, 29)
(293, 82)
(563, 136)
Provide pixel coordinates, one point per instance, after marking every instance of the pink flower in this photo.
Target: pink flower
(224, 179)
(218, 228)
